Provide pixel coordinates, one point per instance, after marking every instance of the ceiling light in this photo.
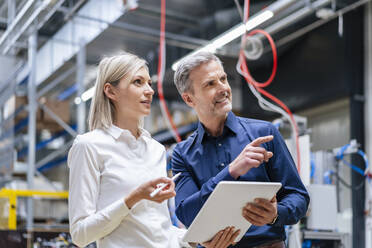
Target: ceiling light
(232, 34)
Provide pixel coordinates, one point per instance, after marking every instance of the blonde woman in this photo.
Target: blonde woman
(115, 167)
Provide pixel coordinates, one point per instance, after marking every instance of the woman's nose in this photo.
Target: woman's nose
(149, 90)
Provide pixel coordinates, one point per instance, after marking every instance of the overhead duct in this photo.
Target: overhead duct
(254, 47)
(33, 11)
(66, 42)
(241, 28)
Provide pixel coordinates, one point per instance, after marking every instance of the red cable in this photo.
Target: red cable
(259, 86)
(246, 10)
(276, 100)
(275, 60)
(160, 69)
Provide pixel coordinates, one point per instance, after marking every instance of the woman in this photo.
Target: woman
(115, 167)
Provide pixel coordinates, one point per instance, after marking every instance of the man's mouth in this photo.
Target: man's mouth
(222, 99)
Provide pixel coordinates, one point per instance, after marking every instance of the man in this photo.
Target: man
(226, 148)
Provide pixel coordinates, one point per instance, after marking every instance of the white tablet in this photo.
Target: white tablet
(224, 208)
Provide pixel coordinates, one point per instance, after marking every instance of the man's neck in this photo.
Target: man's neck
(214, 126)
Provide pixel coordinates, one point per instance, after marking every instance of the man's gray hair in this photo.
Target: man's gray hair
(186, 65)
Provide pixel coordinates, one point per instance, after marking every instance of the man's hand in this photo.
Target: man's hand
(250, 157)
(223, 238)
(261, 212)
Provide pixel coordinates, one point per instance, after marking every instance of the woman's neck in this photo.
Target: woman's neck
(129, 124)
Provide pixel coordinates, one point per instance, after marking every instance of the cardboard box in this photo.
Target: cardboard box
(43, 120)
(60, 108)
(23, 101)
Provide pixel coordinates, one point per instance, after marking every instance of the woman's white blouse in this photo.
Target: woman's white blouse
(105, 166)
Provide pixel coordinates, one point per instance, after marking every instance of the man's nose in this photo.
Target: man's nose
(223, 86)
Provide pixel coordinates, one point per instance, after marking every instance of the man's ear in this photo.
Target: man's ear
(109, 92)
(188, 99)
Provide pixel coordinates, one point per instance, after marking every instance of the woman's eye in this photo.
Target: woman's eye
(137, 81)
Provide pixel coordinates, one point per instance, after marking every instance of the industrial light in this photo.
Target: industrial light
(77, 100)
(232, 34)
(88, 94)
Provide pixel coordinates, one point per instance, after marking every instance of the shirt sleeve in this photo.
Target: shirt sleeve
(293, 199)
(86, 223)
(190, 198)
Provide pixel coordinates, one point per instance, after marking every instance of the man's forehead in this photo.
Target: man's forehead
(208, 69)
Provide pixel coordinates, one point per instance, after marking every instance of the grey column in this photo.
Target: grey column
(11, 11)
(80, 72)
(32, 107)
(368, 93)
(11, 16)
(368, 78)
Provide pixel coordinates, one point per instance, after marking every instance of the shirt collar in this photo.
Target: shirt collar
(116, 132)
(201, 133)
(231, 123)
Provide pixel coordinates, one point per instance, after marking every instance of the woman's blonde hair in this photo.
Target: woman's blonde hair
(111, 70)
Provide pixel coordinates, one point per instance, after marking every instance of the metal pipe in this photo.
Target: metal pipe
(292, 18)
(11, 11)
(317, 24)
(81, 108)
(73, 10)
(24, 26)
(368, 104)
(172, 39)
(32, 50)
(16, 20)
(279, 6)
(32, 10)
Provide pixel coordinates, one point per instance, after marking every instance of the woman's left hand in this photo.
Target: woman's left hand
(223, 238)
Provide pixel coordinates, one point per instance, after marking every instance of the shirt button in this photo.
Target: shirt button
(222, 164)
(219, 144)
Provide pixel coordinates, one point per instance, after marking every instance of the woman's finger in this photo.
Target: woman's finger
(215, 239)
(234, 236)
(227, 239)
(223, 237)
(160, 180)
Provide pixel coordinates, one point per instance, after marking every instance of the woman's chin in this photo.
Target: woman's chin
(146, 113)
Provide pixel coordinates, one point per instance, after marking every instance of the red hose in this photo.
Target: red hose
(259, 86)
(160, 70)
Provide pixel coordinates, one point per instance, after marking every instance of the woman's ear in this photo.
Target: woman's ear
(109, 91)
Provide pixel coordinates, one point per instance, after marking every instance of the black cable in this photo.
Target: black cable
(346, 184)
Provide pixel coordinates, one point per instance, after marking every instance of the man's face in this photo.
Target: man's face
(210, 95)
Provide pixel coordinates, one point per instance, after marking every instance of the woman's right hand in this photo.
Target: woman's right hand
(223, 238)
(144, 190)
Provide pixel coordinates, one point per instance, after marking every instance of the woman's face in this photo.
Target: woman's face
(134, 100)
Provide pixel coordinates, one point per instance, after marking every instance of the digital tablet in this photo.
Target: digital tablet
(224, 208)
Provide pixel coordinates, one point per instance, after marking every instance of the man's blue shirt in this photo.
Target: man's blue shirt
(204, 159)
